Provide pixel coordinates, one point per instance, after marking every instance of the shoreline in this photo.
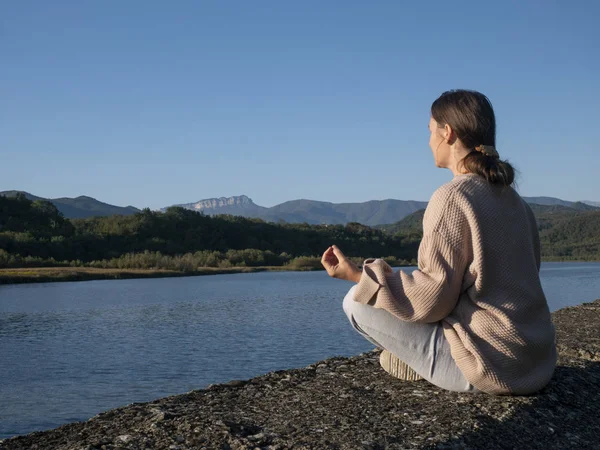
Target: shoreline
(351, 403)
(61, 274)
(23, 275)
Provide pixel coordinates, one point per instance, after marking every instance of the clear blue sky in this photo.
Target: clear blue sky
(152, 103)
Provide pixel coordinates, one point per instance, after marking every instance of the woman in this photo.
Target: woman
(473, 317)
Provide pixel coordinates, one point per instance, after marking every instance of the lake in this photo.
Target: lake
(71, 350)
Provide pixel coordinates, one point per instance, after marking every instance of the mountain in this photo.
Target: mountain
(544, 215)
(371, 213)
(236, 206)
(413, 223)
(575, 236)
(26, 194)
(79, 207)
(587, 202)
(542, 211)
(551, 201)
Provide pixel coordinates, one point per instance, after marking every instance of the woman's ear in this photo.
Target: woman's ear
(449, 134)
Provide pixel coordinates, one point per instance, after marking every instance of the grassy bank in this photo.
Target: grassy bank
(18, 269)
(51, 274)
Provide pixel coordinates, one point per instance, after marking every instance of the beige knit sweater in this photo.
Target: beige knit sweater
(478, 274)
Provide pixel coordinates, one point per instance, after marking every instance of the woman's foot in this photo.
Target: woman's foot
(399, 369)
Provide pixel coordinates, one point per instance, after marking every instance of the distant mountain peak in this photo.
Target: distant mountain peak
(80, 207)
(591, 203)
(234, 198)
(219, 205)
(309, 211)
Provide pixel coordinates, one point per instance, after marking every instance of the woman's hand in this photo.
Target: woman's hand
(338, 266)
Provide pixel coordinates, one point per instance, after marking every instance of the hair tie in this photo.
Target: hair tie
(488, 150)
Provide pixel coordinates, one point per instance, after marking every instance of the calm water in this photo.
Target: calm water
(71, 350)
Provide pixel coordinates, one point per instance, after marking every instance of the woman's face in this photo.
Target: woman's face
(437, 144)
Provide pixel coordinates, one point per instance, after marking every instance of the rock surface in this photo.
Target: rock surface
(351, 403)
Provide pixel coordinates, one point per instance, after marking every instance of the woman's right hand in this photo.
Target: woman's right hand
(338, 266)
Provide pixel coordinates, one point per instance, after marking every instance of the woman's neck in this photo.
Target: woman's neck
(458, 154)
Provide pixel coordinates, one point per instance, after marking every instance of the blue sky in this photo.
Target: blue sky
(151, 103)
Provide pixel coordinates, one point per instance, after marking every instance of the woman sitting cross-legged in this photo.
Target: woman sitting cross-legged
(473, 316)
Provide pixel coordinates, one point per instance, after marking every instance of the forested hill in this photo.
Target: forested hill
(78, 207)
(37, 229)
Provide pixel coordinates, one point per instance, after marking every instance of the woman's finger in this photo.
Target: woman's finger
(326, 259)
(330, 256)
(338, 253)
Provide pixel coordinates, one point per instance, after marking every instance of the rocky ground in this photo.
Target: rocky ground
(351, 403)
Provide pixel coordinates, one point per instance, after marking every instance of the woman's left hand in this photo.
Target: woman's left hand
(338, 266)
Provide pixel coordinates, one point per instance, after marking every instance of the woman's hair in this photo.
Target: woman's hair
(471, 116)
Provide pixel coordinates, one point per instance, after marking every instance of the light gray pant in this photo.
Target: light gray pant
(420, 345)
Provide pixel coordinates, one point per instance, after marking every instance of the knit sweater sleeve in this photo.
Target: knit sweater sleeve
(431, 292)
